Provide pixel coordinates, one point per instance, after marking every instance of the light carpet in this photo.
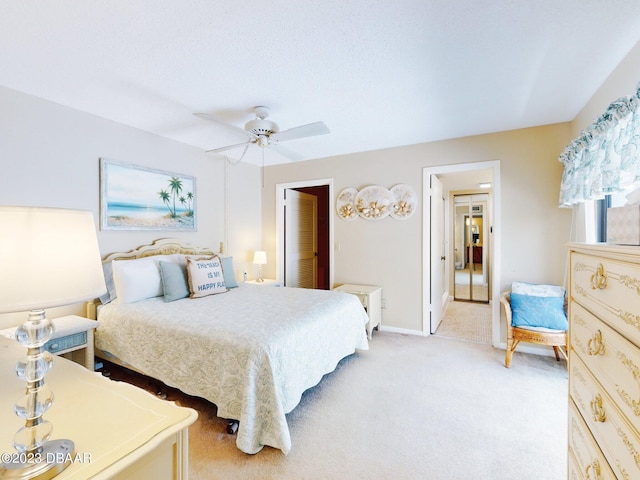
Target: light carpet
(409, 408)
(466, 321)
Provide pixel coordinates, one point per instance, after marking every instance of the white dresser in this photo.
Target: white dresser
(604, 362)
(119, 431)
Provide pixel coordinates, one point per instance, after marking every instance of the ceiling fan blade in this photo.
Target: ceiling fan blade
(285, 152)
(212, 118)
(309, 130)
(229, 147)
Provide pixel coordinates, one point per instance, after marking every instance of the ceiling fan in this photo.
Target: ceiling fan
(265, 133)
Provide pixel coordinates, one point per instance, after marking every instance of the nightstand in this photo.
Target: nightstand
(120, 431)
(269, 282)
(371, 298)
(73, 339)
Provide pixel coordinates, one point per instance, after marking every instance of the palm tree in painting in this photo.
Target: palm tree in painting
(183, 201)
(175, 184)
(164, 195)
(190, 199)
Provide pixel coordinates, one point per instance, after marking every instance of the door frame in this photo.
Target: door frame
(298, 204)
(280, 221)
(495, 257)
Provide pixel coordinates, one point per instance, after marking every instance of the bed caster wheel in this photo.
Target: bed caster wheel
(232, 427)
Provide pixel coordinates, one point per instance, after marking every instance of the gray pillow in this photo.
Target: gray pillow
(228, 272)
(174, 281)
(110, 294)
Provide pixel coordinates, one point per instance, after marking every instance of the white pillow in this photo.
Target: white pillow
(205, 276)
(140, 278)
(537, 290)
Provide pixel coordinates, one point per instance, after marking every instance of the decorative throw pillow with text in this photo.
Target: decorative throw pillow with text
(205, 276)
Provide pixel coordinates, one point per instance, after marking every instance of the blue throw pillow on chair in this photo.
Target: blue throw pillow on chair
(540, 306)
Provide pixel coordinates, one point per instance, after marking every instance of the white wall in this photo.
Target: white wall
(49, 156)
(388, 252)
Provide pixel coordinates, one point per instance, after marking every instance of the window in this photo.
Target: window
(600, 207)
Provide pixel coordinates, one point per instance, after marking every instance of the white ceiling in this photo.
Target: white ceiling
(379, 73)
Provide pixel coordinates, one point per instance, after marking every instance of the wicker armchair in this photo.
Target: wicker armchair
(554, 338)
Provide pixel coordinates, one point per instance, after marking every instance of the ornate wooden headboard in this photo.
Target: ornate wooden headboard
(162, 246)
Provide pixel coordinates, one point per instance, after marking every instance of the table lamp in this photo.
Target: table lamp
(260, 258)
(49, 257)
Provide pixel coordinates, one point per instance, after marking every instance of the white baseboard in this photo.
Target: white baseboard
(404, 331)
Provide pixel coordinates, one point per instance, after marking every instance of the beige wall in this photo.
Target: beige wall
(622, 82)
(388, 252)
(49, 157)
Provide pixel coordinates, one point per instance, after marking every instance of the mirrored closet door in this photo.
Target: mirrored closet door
(471, 253)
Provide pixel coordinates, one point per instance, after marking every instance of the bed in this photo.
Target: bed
(251, 350)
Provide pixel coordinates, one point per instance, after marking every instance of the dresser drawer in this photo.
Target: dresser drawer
(612, 359)
(574, 470)
(588, 459)
(610, 289)
(618, 441)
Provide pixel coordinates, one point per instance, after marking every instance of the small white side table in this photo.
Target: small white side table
(371, 298)
(265, 282)
(73, 338)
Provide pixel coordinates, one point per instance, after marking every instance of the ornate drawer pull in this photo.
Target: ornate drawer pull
(599, 279)
(597, 409)
(595, 467)
(595, 346)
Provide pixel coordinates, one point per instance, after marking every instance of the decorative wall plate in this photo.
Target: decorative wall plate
(374, 202)
(404, 203)
(346, 204)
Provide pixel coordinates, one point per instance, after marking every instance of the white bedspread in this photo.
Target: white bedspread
(252, 351)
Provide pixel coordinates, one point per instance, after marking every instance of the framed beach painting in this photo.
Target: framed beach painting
(140, 198)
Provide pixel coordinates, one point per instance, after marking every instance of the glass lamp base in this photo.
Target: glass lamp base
(55, 456)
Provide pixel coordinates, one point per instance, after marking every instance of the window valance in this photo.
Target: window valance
(605, 158)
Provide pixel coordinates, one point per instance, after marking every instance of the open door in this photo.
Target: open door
(438, 256)
(300, 239)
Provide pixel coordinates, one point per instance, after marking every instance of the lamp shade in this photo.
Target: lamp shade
(260, 257)
(48, 257)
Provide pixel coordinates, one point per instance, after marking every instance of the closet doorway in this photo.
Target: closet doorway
(313, 254)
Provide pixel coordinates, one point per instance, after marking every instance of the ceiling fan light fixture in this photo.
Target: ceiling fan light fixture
(261, 127)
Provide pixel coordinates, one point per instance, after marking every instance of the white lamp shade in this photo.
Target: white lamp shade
(260, 257)
(48, 257)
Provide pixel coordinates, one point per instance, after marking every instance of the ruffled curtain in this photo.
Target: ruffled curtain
(605, 158)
